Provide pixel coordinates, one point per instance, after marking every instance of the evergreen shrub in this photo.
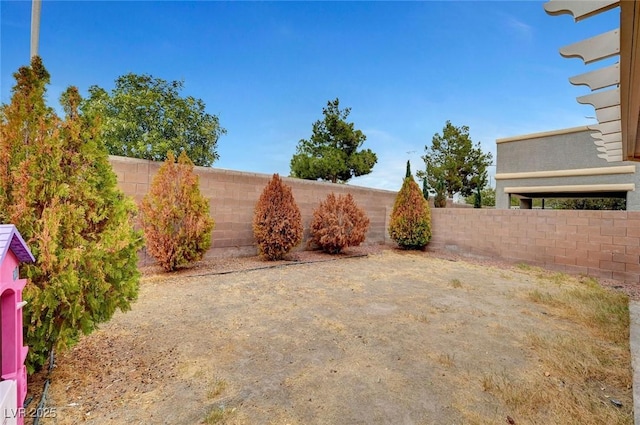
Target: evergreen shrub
(58, 188)
(175, 216)
(410, 224)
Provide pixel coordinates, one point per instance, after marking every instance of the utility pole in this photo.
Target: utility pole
(36, 7)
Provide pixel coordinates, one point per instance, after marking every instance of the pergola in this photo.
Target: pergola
(616, 88)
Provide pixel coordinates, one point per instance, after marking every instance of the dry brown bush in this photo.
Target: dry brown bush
(338, 222)
(277, 222)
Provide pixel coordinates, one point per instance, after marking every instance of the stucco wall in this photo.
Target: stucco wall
(564, 150)
(233, 196)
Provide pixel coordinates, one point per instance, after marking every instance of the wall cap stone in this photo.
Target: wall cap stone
(204, 170)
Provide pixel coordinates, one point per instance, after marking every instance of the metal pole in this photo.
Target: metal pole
(36, 7)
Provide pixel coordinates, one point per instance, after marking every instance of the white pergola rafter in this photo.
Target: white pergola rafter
(616, 88)
(604, 99)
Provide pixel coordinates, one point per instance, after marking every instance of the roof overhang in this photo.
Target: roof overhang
(616, 88)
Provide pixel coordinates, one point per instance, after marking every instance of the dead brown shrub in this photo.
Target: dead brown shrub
(277, 222)
(337, 223)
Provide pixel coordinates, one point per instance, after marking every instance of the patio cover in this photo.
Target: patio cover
(615, 88)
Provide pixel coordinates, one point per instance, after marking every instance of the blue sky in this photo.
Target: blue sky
(268, 68)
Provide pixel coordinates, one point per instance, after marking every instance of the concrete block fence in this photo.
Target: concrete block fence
(234, 194)
(596, 243)
(603, 244)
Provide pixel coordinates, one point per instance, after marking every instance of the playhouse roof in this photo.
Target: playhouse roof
(10, 239)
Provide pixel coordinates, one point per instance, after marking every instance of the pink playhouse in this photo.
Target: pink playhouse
(13, 375)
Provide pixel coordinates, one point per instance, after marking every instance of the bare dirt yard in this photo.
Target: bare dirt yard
(391, 338)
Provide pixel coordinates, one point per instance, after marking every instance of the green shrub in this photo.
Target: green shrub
(425, 188)
(277, 223)
(410, 224)
(58, 188)
(175, 216)
(477, 198)
(440, 200)
(338, 223)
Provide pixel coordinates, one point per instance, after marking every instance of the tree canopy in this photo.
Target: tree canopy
(453, 160)
(145, 117)
(331, 153)
(588, 204)
(487, 197)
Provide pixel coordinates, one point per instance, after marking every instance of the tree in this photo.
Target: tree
(410, 223)
(425, 188)
(440, 198)
(331, 153)
(145, 117)
(487, 196)
(277, 222)
(454, 160)
(588, 204)
(175, 216)
(58, 188)
(408, 172)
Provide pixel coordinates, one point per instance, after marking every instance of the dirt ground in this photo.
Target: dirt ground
(392, 338)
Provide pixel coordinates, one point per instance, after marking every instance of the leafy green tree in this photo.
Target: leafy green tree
(588, 204)
(331, 153)
(58, 188)
(536, 202)
(487, 196)
(145, 117)
(456, 161)
(175, 216)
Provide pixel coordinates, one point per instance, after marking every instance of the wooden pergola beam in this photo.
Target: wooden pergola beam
(630, 78)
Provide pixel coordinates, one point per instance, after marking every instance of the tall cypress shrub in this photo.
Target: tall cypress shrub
(175, 216)
(277, 222)
(58, 188)
(410, 224)
(425, 188)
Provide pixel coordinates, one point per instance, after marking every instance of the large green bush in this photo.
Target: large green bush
(58, 188)
(277, 222)
(175, 215)
(410, 224)
(337, 223)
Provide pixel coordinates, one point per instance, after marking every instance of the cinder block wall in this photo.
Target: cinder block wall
(596, 243)
(233, 196)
